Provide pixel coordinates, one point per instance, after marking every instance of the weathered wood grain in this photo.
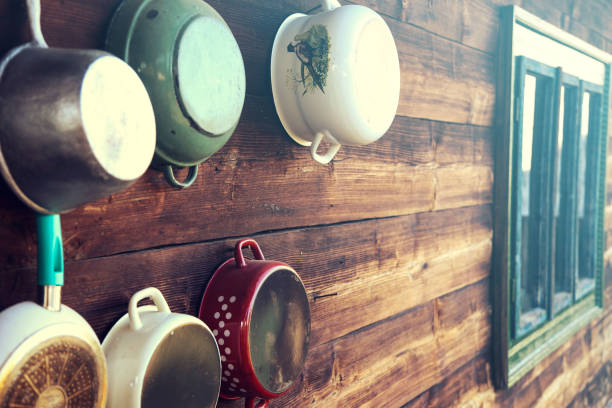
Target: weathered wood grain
(382, 366)
(608, 278)
(583, 357)
(405, 269)
(553, 384)
(443, 80)
(470, 381)
(379, 267)
(470, 22)
(597, 392)
(393, 239)
(475, 22)
(381, 249)
(262, 181)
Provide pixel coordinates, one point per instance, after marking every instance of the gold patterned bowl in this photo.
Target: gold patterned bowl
(49, 359)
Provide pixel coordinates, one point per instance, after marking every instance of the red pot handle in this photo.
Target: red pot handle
(250, 401)
(254, 247)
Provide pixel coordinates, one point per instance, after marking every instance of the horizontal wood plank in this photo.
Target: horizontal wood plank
(262, 181)
(475, 22)
(360, 374)
(443, 80)
(470, 382)
(554, 383)
(597, 392)
(380, 267)
(393, 240)
(470, 22)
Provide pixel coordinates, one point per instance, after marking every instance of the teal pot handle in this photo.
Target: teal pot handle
(50, 250)
(171, 179)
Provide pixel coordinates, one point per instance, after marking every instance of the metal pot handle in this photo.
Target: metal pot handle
(254, 247)
(152, 293)
(191, 176)
(250, 403)
(34, 17)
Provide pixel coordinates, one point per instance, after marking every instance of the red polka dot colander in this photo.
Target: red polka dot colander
(259, 314)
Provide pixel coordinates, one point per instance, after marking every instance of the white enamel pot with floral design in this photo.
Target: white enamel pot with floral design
(160, 359)
(335, 77)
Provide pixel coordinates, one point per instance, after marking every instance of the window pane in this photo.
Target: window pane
(586, 206)
(528, 116)
(563, 198)
(532, 291)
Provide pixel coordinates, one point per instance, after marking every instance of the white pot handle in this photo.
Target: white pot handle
(331, 152)
(329, 5)
(151, 293)
(34, 17)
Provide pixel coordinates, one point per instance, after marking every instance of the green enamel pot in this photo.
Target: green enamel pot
(191, 65)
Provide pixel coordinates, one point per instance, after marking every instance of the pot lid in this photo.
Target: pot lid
(210, 75)
(117, 118)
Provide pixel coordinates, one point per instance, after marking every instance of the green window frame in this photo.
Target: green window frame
(547, 278)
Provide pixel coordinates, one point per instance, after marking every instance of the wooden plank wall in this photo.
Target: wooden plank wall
(393, 240)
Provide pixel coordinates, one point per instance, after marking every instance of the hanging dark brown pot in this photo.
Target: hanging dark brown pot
(75, 125)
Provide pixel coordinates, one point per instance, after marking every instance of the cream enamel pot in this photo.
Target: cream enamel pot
(260, 316)
(49, 356)
(75, 125)
(335, 77)
(160, 359)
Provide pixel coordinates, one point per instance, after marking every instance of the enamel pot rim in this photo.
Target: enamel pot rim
(257, 271)
(66, 324)
(187, 134)
(139, 334)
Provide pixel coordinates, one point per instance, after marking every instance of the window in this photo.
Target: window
(549, 194)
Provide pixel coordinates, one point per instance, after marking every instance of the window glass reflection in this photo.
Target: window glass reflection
(529, 96)
(587, 180)
(562, 239)
(536, 107)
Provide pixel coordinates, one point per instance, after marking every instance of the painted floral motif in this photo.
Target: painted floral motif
(312, 49)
